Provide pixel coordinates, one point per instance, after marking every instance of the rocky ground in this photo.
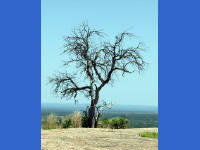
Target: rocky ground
(97, 139)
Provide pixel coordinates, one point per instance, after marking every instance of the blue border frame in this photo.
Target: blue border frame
(179, 75)
(20, 74)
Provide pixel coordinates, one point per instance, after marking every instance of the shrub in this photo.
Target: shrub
(67, 122)
(104, 123)
(85, 118)
(76, 119)
(59, 122)
(119, 123)
(51, 122)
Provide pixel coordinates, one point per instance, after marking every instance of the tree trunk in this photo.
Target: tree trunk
(97, 119)
(92, 94)
(92, 117)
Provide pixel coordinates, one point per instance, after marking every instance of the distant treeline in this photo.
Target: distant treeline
(137, 119)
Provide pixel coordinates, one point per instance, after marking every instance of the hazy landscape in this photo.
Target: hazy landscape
(143, 120)
(138, 135)
(139, 116)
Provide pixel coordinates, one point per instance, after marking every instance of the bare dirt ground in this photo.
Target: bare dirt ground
(97, 139)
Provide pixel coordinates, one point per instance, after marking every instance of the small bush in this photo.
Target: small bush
(67, 122)
(59, 122)
(85, 118)
(104, 123)
(51, 122)
(76, 119)
(119, 123)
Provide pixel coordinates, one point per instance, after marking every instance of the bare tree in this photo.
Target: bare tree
(95, 62)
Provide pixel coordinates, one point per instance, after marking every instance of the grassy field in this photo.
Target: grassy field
(149, 134)
(97, 139)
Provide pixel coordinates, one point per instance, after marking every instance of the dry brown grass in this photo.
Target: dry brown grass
(97, 139)
(51, 122)
(76, 119)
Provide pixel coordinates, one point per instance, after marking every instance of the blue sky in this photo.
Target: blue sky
(140, 17)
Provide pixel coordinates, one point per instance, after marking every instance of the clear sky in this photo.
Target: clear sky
(140, 17)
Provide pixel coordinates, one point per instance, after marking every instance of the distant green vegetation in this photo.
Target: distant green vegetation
(149, 134)
(77, 120)
(137, 119)
(114, 123)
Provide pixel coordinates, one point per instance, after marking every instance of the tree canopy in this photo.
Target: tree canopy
(95, 61)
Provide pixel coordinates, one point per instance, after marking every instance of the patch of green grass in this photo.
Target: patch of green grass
(46, 128)
(149, 134)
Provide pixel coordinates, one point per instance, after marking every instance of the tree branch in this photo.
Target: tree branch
(66, 86)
